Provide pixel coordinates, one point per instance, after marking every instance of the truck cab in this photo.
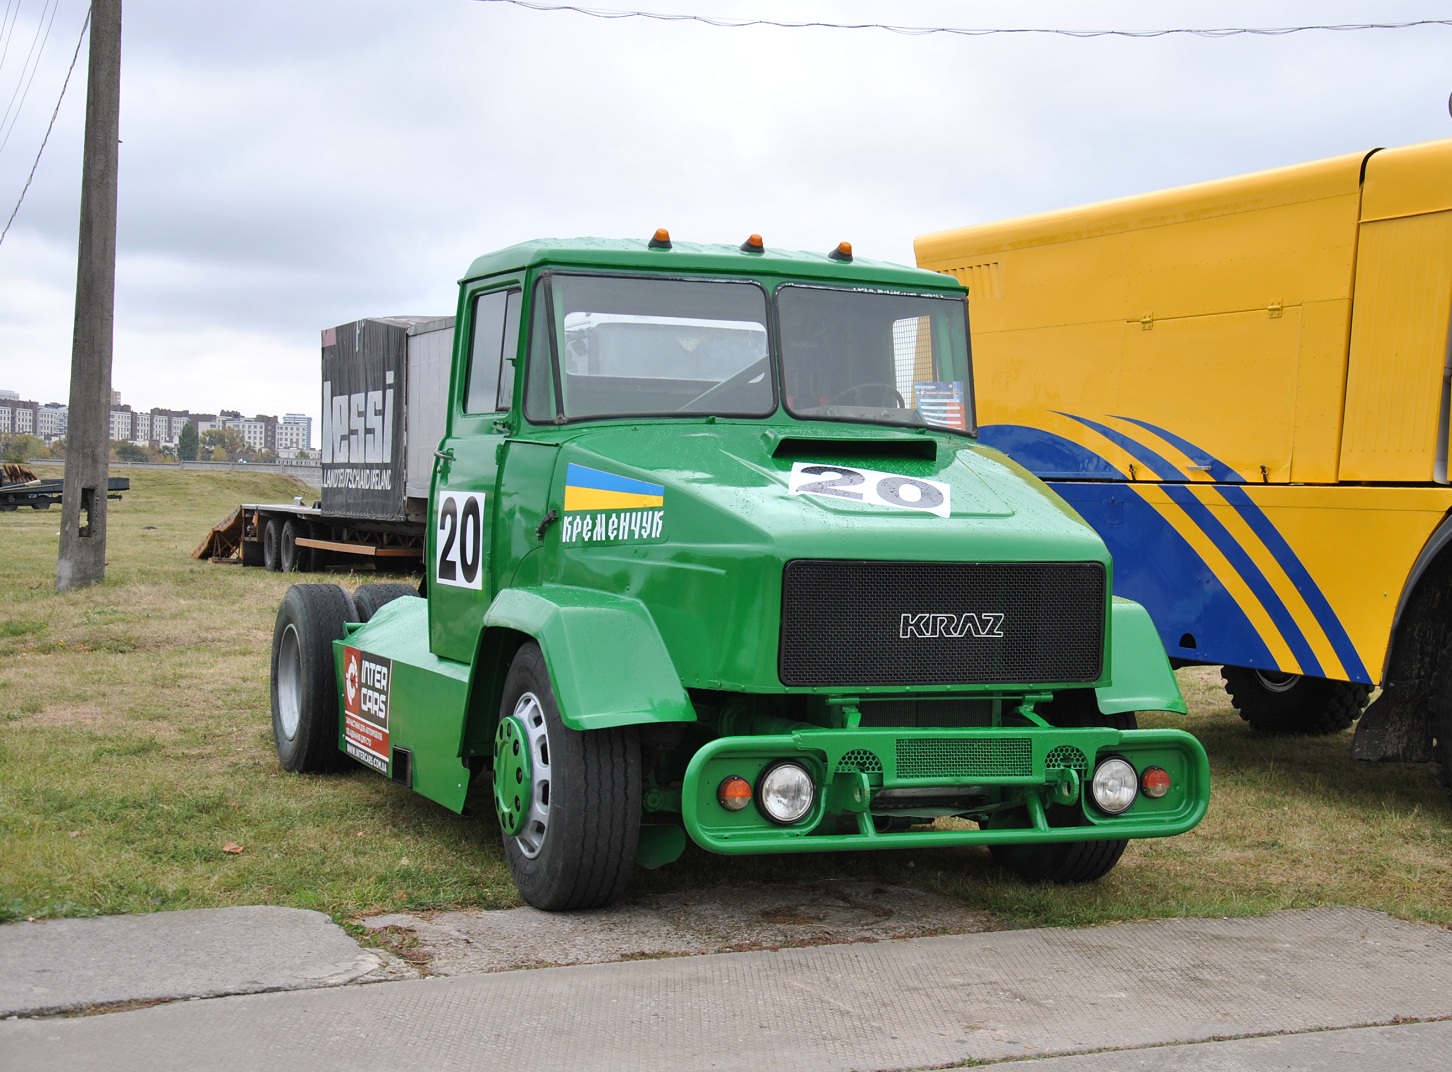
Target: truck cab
(714, 555)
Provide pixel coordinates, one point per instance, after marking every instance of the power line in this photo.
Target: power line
(919, 31)
(22, 87)
(84, 26)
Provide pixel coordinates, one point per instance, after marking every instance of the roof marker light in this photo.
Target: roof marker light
(753, 244)
(661, 239)
(843, 252)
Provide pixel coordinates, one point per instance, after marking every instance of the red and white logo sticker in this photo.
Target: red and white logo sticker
(367, 687)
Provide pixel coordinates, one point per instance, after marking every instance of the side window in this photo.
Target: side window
(493, 330)
(539, 387)
(505, 397)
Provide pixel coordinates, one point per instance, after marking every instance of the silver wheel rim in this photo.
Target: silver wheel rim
(1273, 682)
(289, 682)
(531, 715)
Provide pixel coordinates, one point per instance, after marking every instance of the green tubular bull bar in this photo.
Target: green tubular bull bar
(1029, 767)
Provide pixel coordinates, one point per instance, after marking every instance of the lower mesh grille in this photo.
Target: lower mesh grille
(1002, 757)
(848, 623)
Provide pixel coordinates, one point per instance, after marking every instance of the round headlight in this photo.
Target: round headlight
(786, 792)
(1115, 785)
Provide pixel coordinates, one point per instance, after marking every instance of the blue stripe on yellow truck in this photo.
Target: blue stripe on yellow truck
(1268, 564)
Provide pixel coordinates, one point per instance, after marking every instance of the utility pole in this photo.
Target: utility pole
(88, 439)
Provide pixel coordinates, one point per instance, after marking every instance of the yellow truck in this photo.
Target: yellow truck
(1243, 385)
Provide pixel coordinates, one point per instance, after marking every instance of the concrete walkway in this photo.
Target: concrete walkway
(1328, 988)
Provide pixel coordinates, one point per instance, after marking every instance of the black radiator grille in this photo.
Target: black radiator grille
(941, 623)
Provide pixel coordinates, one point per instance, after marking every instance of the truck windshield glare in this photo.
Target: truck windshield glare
(640, 347)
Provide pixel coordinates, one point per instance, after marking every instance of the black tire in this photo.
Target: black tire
(291, 557)
(367, 598)
(272, 544)
(581, 812)
(304, 684)
(1069, 862)
(1439, 703)
(1290, 704)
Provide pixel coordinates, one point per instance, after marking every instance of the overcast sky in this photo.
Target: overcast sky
(288, 165)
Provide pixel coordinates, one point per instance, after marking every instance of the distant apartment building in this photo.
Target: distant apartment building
(123, 423)
(17, 416)
(158, 427)
(52, 421)
(306, 423)
(291, 438)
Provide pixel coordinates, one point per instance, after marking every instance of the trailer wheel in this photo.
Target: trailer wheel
(1285, 704)
(568, 801)
(304, 683)
(291, 557)
(272, 544)
(1069, 862)
(369, 597)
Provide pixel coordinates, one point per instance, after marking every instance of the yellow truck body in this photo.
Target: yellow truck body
(1244, 386)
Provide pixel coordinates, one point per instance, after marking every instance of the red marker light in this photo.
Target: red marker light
(1155, 781)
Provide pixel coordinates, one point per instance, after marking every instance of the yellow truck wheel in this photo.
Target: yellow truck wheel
(1292, 704)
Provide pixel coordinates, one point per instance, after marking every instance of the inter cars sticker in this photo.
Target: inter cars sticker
(871, 487)
(367, 685)
(459, 539)
(602, 508)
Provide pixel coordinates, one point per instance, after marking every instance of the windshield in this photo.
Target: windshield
(875, 356)
(635, 346)
(632, 346)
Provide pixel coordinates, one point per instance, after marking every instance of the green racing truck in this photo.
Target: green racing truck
(714, 555)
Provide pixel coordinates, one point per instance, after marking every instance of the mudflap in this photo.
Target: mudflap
(1396, 728)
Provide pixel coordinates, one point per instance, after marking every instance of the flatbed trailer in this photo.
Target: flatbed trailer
(293, 537)
(41, 494)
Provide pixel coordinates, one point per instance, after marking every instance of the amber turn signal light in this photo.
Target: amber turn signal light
(734, 793)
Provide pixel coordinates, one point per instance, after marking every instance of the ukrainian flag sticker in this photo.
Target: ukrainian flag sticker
(602, 508)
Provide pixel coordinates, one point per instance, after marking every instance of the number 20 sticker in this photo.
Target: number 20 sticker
(871, 487)
(459, 539)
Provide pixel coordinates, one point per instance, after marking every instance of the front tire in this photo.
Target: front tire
(304, 683)
(568, 801)
(1069, 862)
(1279, 704)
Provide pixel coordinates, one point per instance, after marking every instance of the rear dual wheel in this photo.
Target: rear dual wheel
(568, 801)
(304, 683)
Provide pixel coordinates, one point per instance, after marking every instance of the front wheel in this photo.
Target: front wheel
(1276, 704)
(568, 801)
(1068, 862)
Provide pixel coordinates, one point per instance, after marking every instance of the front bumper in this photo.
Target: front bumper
(979, 772)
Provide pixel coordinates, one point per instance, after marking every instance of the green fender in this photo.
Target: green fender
(607, 662)
(1140, 674)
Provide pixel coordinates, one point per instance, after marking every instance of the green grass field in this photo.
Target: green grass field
(136, 759)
